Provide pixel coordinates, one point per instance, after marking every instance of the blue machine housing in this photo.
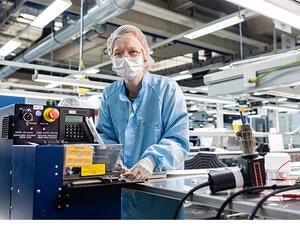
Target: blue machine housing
(38, 190)
(32, 184)
(5, 178)
(5, 168)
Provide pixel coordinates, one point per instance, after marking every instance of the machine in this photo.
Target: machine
(251, 163)
(251, 171)
(52, 169)
(28, 124)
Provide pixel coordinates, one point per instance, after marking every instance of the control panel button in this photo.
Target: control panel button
(51, 114)
(27, 115)
(54, 114)
(38, 113)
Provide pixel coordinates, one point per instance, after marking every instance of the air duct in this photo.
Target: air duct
(100, 13)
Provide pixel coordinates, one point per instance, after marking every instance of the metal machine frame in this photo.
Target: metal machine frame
(236, 80)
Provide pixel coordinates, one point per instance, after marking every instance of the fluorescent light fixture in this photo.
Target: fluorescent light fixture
(258, 93)
(28, 16)
(9, 47)
(57, 81)
(225, 112)
(51, 12)
(282, 99)
(92, 71)
(79, 76)
(19, 86)
(216, 25)
(168, 63)
(270, 10)
(182, 75)
(53, 85)
(30, 94)
(206, 99)
(25, 18)
(280, 108)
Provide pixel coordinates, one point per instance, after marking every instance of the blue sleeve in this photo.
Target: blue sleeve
(104, 125)
(173, 148)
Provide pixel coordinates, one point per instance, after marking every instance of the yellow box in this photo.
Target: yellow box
(94, 169)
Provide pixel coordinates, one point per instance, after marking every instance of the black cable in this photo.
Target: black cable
(187, 195)
(258, 205)
(246, 189)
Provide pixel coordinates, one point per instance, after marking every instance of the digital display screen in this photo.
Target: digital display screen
(74, 118)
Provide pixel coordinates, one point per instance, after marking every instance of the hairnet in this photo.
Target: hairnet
(133, 33)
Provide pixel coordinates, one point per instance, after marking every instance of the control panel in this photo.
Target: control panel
(38, 124)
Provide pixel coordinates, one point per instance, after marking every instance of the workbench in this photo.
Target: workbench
(175, 187)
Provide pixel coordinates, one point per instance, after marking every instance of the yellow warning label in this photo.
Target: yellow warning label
(94, 169)
(78, 156)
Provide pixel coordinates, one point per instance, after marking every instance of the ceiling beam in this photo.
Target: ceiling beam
(222, 46)
(149, 9)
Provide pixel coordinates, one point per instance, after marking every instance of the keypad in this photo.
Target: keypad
(74, 131)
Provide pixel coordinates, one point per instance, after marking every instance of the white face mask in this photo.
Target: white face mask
(128, 67)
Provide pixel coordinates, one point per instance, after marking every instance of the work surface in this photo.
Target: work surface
(176, 186)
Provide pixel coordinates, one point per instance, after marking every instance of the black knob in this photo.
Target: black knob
(27, 115)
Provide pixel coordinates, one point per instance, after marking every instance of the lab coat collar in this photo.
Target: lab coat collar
(123, 96)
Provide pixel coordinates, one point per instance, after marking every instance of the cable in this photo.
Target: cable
(249, 189)
(261, 76)
(292, 196)
(241, 37)
(82, 2)
(187, 195)
(258, 205)
(282, 165)
(242, 117)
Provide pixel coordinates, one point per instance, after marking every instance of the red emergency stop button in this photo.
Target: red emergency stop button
(51, 114)
(54, 114)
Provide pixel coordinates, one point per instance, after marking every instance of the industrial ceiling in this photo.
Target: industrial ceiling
(163, 21)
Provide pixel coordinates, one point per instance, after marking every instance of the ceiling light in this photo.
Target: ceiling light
(51, 12)
(9, 47)
(79, 76)
(258, 93)
(169, 63)
(270, 10)
(28, 16)
(92, 71)
(282, 99)
(57, 81)
(30, 94)
(206, 99)
(280, 108)
(216, 25)
(18, 86)
(25, 18)
(182, 75)
(225, 112)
